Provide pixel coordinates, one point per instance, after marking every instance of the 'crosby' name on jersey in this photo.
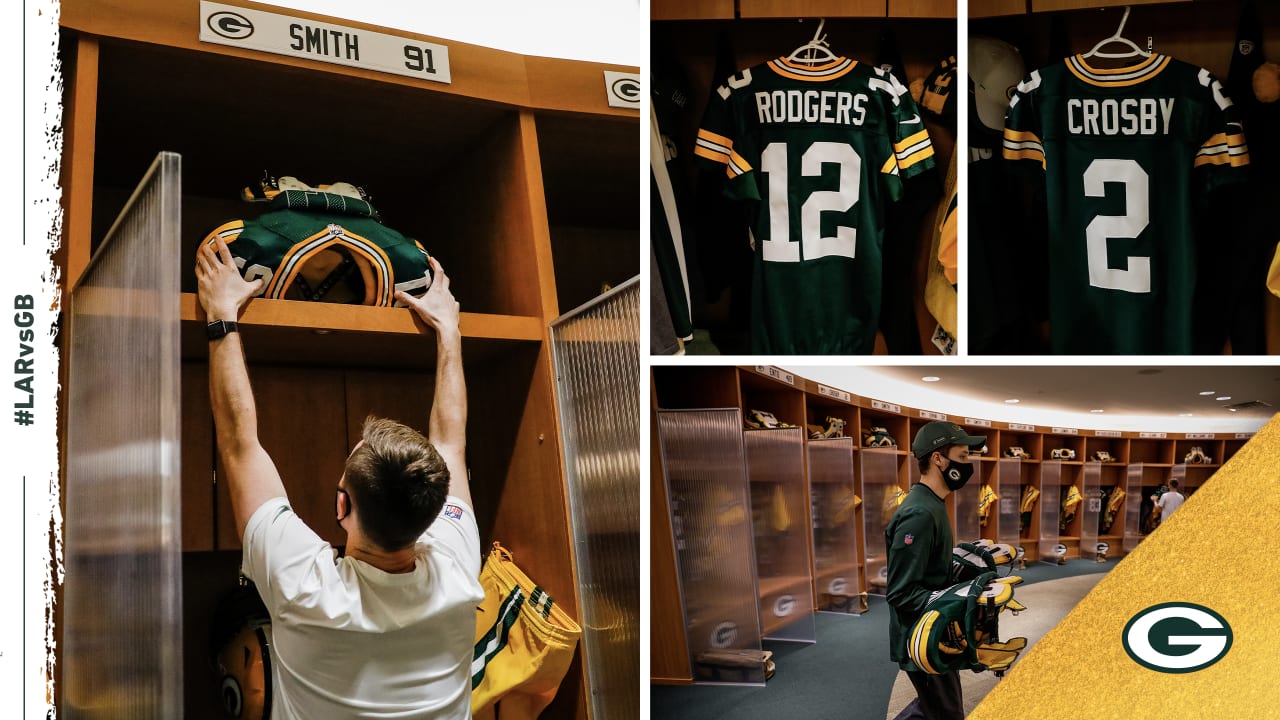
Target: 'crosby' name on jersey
(1127, 116)
(832, 107)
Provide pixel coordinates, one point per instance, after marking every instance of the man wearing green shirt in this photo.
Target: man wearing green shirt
(919, 541)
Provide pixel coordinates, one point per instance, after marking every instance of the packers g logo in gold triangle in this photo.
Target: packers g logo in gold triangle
(1177, 637)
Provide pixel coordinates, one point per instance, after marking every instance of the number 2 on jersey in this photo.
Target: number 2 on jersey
(1136, 277)
(774, 162)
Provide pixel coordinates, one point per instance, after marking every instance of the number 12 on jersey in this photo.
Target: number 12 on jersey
(774, 163)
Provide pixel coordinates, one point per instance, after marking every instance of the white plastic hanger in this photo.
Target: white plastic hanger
(815, 51)
(1134, 50)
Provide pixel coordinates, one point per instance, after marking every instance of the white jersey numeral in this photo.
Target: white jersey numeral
(1135, 277)
(779, 247)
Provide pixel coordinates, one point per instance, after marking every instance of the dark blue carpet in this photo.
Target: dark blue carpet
(846, 675)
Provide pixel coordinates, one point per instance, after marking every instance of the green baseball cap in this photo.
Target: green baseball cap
(938, 435)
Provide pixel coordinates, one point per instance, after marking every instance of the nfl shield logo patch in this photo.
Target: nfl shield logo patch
(453, 511)
(908, 539)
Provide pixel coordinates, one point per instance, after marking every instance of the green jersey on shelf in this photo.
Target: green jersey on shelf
(1127, 154)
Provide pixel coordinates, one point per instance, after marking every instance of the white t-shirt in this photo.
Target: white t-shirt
(1169, 502)
(352, 641)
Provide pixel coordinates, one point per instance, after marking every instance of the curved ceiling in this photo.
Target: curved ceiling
(1136, 397)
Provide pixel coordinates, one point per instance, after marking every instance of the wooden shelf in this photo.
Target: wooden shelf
(811, 8)
(1055, 5)
(995, 8)
(324, 334)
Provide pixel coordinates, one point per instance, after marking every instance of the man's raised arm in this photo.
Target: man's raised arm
(448, 425)
(252, 477)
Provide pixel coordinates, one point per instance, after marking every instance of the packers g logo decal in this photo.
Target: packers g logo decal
(1177, 637)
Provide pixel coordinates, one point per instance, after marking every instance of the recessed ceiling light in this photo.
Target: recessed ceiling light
(1096, 410)
(1233, 409)
(931, 378)
(1224, 397)
(1208, 392)
(1013, 401)
(1184, 415)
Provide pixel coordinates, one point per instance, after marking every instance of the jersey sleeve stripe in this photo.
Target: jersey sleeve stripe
(923, 154)
(717, 156)
(737, 166)
(1019, 136)
(913, 149)
(712, 146)
(919, 649)
(1224, 157)
(904, 145)
(890, 166)
(714, 139)
(227, 231)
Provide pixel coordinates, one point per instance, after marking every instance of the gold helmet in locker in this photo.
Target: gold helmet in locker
(240, 639)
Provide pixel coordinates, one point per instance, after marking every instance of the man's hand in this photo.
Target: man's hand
(221, 290)
(437, 306)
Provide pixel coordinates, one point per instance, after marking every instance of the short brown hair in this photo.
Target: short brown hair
(398, 481)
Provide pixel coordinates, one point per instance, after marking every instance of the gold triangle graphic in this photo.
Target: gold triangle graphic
(1220, 551)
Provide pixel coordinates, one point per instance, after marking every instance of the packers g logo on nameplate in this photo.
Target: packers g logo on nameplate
(1177, 637)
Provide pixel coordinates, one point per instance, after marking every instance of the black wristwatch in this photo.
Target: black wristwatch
(218, 329)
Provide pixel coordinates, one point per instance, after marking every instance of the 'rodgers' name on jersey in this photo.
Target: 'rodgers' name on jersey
(1119, 116)
(811, 106)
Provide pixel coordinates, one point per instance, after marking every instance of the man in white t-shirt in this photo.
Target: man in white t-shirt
(1170, 501)
(386, 631)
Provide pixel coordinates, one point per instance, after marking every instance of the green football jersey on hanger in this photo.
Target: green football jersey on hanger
(1126, 154)
(820, 151)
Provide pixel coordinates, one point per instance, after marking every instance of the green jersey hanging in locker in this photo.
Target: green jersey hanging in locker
(1126, 153)
(821, 150)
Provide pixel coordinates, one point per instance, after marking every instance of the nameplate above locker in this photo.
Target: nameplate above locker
(325, 42)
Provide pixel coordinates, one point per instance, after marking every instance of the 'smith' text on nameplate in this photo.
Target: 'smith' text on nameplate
(338, 44)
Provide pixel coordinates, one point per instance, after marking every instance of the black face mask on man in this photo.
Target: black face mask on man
(957, 474)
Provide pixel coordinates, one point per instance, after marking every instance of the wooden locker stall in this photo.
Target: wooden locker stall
(517, 175)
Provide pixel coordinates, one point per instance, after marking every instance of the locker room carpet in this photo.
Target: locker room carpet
(847, 675)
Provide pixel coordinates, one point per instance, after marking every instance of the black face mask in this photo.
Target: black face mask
(957, 474)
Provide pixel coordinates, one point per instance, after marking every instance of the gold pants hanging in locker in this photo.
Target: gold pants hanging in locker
(524, 643)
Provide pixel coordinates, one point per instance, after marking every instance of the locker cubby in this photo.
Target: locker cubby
(1032, 443)
(1117, 448)
(763, 393)
(1151, 452)
(1064, 442)
(898, 427)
